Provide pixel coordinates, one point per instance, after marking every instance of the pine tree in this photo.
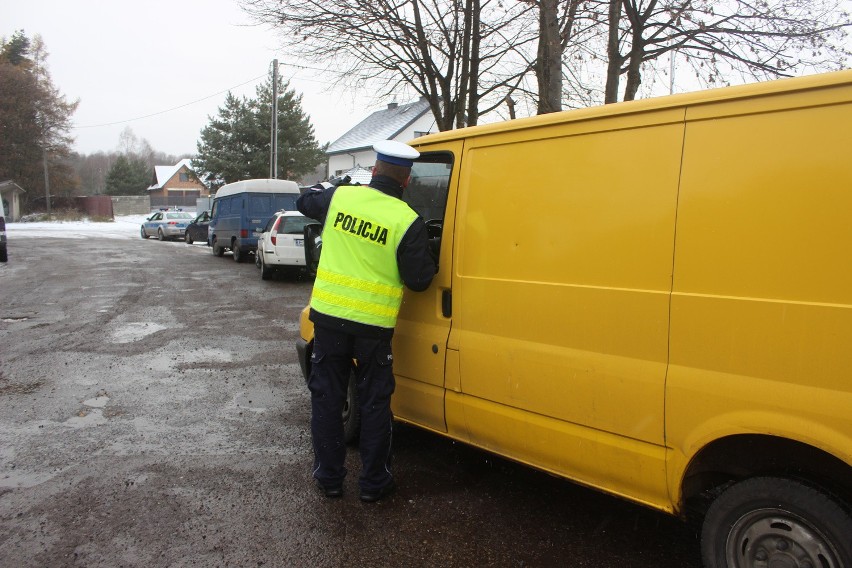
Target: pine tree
(36, 120)
(235, 144)
(127, 176)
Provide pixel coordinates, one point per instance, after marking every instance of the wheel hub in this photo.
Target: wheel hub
(772, 538)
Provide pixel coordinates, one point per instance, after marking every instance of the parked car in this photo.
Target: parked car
(282, 242)
(166, 225)
(197, 230)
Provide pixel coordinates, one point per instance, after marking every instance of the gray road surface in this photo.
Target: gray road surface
(152, 413)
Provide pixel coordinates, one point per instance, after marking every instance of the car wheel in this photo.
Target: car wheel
(217, 250)
(142, 233)
(265, 270)
(772, 521)
(187, 238)
(257, 258)
(238, 254)
(351, 411)
(4, 255)
(160, 235)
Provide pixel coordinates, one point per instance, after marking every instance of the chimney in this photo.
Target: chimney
(392, 106)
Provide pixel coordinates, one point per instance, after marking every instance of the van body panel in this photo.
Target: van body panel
(616, 464)
(590, 269)
(762, 274)
(241, 210)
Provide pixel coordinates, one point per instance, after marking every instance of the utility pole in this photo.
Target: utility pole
(46, 182)
(273, 145)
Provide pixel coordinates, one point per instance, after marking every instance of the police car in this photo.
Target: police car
(166, 225)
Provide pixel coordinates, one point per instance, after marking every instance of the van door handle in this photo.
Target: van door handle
(447, 303)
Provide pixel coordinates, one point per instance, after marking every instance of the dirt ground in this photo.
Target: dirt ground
(152, 413)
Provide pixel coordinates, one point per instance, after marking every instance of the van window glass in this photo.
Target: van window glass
(224, 207)
(260, 204)
(430, 184)
(286, 202)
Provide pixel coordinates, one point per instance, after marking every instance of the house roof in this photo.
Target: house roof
(358, 174)
(383, 124)
(162, 174)
(11, 185)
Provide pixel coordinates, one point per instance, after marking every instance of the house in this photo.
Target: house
(176, 186)
(354, 150)
(10, 193)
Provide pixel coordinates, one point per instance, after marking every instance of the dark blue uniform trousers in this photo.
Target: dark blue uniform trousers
(331, 364)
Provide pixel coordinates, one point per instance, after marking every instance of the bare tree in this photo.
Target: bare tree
(751, 38)
(455, 53)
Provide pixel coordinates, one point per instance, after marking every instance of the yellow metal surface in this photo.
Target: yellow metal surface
(632, 283)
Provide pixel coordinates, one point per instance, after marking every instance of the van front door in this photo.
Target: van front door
(420, 339)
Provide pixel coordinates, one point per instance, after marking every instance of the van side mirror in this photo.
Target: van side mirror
(313, 247)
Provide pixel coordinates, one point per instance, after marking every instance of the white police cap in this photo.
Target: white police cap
(395, 152)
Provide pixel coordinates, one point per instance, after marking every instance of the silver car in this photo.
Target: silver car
(166, 225)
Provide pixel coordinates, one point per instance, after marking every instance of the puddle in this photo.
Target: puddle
(97, 402)
(87, 419)
(255, 400)
(135, 331)
(24, 479)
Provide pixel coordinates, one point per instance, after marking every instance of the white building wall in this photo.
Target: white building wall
(367, 158)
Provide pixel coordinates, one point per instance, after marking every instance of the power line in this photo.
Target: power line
(171, 109)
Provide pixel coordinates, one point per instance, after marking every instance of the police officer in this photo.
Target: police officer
(373, 244)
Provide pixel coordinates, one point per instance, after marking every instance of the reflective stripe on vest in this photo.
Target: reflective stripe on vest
(358, 277)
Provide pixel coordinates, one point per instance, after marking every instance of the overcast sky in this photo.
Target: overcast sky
(128, 59)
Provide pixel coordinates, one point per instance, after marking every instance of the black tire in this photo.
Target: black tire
(265, 271)
(4, 255)
(351, 412)
(217, 250)
(160, 235)
(142, 233)
(238, 254)
(257, 258)
(187, 238)
(771, 521)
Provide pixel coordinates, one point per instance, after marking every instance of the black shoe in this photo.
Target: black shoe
(332, 491)
(373, 496)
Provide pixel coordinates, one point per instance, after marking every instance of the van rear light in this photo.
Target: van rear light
(243, 233)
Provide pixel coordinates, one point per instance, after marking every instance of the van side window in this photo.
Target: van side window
(260, 205)
(430, 184)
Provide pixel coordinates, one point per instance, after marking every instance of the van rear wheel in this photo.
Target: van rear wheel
(769, 521)
(238, 254)
(217, 250)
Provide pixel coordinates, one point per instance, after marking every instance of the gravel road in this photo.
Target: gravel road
(152, 413)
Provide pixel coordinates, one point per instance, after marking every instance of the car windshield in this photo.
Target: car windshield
(178, 215)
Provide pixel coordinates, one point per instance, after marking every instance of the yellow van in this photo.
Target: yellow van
(653, 299)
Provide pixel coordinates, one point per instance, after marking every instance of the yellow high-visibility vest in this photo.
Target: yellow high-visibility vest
(358, 277)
